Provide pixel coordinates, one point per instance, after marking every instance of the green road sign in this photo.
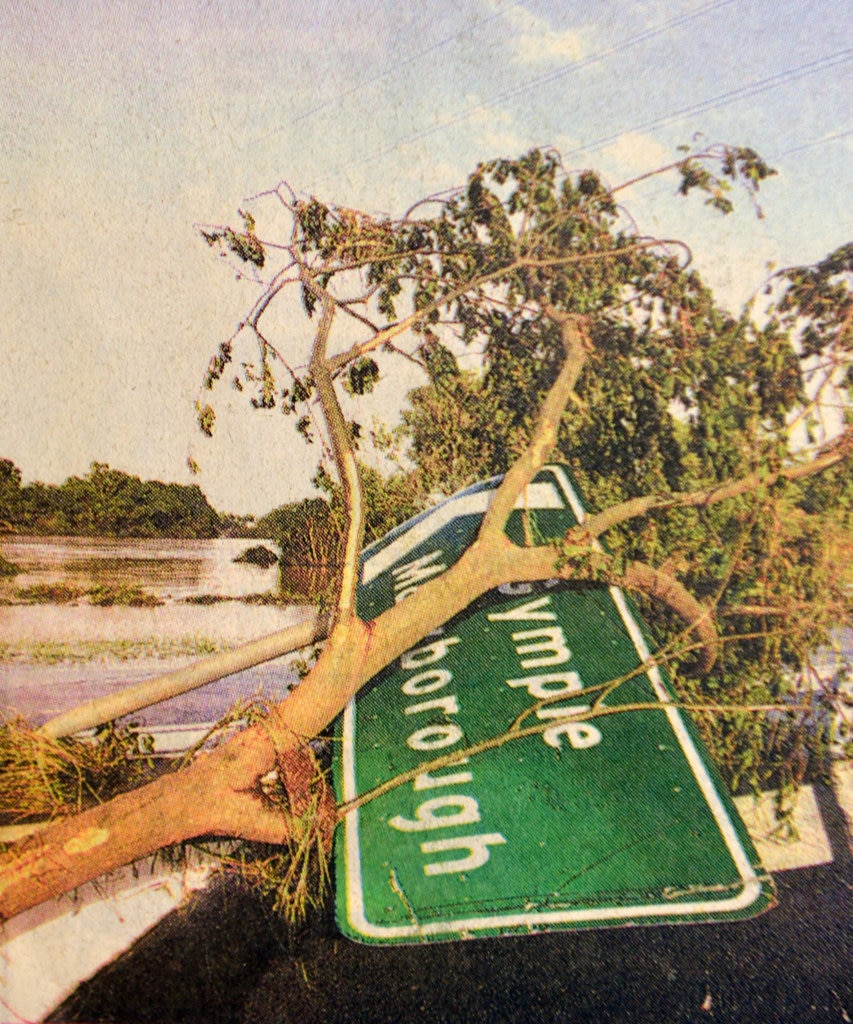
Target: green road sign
(620, 819)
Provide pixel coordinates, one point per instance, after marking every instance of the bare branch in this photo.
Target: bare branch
(342, 449)
(544, 434)
(218, 666)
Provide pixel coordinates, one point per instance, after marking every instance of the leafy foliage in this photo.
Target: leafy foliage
(677, 396)
(361, 377)
(108, 502)
(244, 244)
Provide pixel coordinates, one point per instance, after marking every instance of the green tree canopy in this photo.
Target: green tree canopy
(675, 400)
(105, 502)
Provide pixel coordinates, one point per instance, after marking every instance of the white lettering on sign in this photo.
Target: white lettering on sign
(538, 686)
(448, 810)
(408, 577)
(435, 737)
(548, 647)
(512, 589)
(522, 612)
(427, 781)
(468, 812)
(581, 734)
(477, 847)
(449, 705)
(549, 641)
(426, 682)
(420, 656)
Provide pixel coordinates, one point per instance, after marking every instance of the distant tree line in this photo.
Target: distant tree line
(107, 503)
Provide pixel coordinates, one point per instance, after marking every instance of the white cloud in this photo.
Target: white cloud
(537, 43)
(547, 47)
(495, 129)
(633, 154)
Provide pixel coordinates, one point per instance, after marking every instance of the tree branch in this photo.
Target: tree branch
(342, 450)
(544, 435)
(527, 565)
(595, 525)
(217, 666)
(390, 332)
(660, 586)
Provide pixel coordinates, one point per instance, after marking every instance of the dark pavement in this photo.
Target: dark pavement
(223, 959)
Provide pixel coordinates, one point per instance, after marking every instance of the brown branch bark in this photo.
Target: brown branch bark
(537, 563)
(544, 435)
(342, 450)
(175, 807)
(660, 586)
(835, 453)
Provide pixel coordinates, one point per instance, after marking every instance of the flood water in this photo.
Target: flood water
(55, 656)
(171, 569)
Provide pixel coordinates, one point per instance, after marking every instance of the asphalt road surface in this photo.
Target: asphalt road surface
(223, 959)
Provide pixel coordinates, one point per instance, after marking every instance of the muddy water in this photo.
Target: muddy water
(55, 656)
(171, 569)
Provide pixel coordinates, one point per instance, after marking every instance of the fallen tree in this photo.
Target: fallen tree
(578, 318)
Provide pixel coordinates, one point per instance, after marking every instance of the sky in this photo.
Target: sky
(126, 124)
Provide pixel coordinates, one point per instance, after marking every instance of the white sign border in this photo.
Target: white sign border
(533, 920)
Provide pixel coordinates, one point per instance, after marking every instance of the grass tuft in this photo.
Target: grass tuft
(48, 593)
(8, 568)
(74, 652)
(124, 594)
(43, 778)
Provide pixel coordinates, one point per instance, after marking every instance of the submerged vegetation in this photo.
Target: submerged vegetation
(126, 594)
(8, 568)
(258, 555)
(48, 593)
(102, 595)
(57, 652)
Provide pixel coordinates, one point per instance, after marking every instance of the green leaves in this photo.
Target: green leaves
(737, 164)
(217, 364)
(245, 245)
(312, 218)
(206, 419)
(740, 161)
(361, 376)
(820, 299)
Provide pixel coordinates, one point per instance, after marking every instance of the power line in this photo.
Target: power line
(837, 136)
(368, 82)
(548, 77)
(723, 99)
